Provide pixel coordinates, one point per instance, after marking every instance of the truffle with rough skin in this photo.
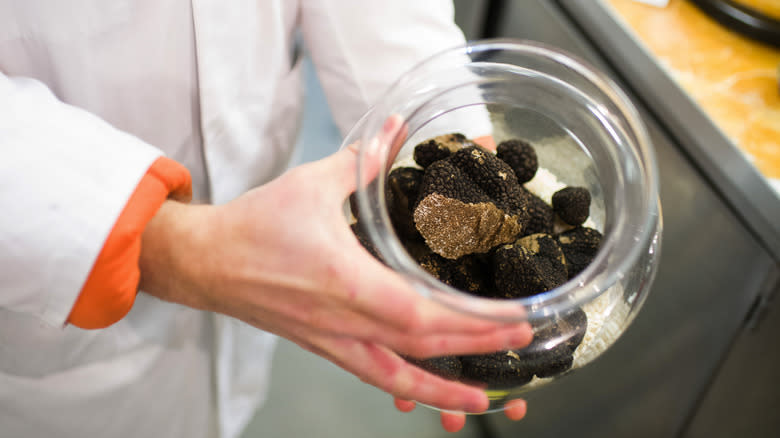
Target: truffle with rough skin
(572, 204)
(469, 203)
(531, 265)
(439, 148)
(555, 339)
(449, 367)
(362, 236)
(579, 246)
(469, 273)
(565, 333)
(401, 190)
(541, 218)
(520, 156)
(551, 353)
(504, 369)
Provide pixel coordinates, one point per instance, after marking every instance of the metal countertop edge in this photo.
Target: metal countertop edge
(744, 189)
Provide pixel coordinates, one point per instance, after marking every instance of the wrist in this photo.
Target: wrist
(175, 256)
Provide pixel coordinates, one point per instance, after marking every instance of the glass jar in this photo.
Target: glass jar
(586, 133)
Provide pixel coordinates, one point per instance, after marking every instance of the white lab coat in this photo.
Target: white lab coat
(91, 93)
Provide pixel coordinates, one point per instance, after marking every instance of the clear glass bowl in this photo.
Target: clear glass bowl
(586, 133)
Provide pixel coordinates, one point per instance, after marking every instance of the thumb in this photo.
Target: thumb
(343, 165)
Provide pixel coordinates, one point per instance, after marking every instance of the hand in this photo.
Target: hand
(452, 422)
(282, 258)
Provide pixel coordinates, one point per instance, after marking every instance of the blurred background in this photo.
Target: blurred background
(703, 357)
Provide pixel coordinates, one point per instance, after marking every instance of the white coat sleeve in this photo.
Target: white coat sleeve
(360, 48)
(65, 176)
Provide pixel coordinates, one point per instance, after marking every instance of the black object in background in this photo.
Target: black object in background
(747, 21)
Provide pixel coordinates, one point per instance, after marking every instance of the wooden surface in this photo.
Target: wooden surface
(734, 79)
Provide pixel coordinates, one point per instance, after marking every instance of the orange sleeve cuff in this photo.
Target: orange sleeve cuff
(110, 290)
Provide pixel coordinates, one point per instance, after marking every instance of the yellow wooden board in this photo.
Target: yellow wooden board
(734, 79)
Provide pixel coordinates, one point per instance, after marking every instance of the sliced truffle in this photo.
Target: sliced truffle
(521, 157)
(499, 370)
(531, 265)
(469, 203)
(401, 190)
(439, 148)
(579, 246)
(448, 367)
(541, 218)
(572, 204)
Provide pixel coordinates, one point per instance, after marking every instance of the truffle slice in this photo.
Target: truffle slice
(453, 228)
(520, 156)
(448, 367)
(572, 204)
(469, 203)
(580, 246)
(439, 148)
(401, 190)
(531, 265)
(504, 369)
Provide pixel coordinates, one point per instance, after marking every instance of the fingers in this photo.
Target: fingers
(385, 296)
(380, 367)
(515, 409)
(452, 422)
(486, 141)
(404, 405)
(506, 338)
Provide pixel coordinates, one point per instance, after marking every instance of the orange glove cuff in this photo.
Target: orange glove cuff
(110, 290)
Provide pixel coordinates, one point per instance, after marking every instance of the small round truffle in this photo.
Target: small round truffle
(521, 157)
(439, 148)
(532, 265)
(572, 204)
(579, 246)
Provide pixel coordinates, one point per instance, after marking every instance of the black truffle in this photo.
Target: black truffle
(541, 218)
(362, 236)
(401, 190)
(555, 340)
(529, 266)
(499, 370)
(520, 156)
(448, 367)
(439, 148)
(579, 246)
(469, 273)
(572, 204)
(469, 203)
